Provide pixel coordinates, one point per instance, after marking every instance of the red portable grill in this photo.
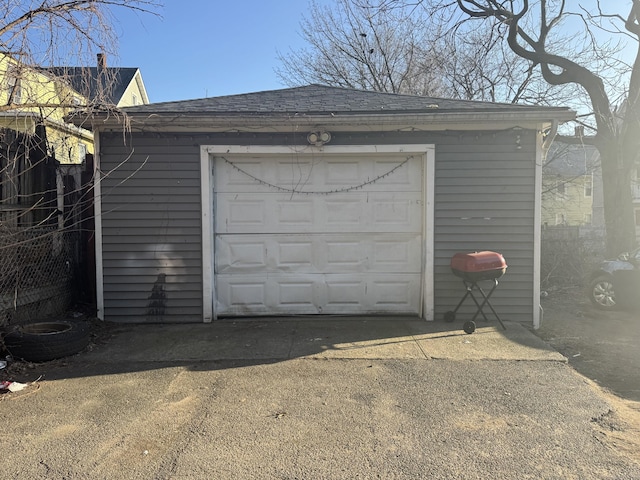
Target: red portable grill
(474, 268)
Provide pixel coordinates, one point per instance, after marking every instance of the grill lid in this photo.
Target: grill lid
(478, 262)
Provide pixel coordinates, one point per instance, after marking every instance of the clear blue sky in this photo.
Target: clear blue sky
(208, 48)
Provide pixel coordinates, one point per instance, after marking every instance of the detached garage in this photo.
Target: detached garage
(315, 201)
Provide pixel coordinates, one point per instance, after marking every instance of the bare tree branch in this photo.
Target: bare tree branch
(42, 203)
(617, 144)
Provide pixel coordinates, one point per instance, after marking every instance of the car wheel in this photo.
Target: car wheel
(601, 292)
(47, 340)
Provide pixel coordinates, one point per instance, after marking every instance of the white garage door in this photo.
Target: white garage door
(318, 234)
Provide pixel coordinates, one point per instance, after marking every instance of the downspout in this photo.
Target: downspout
(550, 136)
(97, 205)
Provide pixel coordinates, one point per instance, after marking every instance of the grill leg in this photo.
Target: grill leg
(451, 315)
(488, 303)
(478, 305)
(468, 293)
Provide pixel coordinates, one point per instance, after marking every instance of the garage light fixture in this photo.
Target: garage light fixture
(318, 138)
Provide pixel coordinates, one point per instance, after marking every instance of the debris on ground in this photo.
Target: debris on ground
(8, 386)
(13, 386)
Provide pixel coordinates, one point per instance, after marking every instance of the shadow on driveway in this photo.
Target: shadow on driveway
(233, 343)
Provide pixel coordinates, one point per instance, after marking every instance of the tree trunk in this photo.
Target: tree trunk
(618, 201)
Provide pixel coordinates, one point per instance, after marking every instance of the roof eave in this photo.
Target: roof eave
(349, 121)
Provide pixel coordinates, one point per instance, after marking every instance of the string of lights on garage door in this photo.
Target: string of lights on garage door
(311, 192)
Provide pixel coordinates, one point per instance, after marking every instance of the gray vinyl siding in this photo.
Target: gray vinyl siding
(151, 225)
(484, 200)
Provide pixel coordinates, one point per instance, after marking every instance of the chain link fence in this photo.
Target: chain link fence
(39, 270)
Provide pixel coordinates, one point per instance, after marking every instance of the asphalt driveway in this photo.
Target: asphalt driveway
(351, 398)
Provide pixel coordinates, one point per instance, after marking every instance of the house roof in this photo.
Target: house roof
(571, 160)
(322, 99)
(92, 82)
(336, 107)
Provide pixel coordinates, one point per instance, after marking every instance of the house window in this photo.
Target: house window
(560, 220)
(588, 186)
(560, 189)
(637, 218)
(134, 99)
(587, 219)
(82, 152)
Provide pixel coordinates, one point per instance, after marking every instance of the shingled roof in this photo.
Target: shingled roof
(107, 84)
(331, 107)
(323, 100)
(570, 160)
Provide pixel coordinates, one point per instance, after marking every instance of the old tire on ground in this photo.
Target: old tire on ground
(47, 340)
(469, 327)
(601, 293)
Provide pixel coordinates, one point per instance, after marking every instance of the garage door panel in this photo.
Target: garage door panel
(295, 255)
(392, 292)
(345, 212)
(344, 172)
(395, 212)
(247, 213)
(345, 294)
(294, 294)
(318, 234)
(408, 177)
(317, 294)
(241, 254)
(337, 253)
(292, 173)
(394, 253)
(346, 254)
(353, 212)
(231, 179)
(319, 174)
(249, 294)
(293, 215)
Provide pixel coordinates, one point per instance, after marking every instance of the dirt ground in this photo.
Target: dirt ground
(604, 346)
